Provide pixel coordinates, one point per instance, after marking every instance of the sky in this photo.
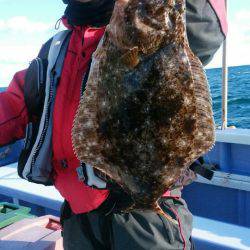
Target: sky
(26, 24)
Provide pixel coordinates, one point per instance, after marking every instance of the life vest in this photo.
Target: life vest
(40, 86)
(41, 81)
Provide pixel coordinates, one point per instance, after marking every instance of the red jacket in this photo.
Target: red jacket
(14, 117)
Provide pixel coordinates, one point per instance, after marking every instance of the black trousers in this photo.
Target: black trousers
(104, 229)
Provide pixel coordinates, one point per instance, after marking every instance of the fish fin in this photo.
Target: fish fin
(131, 57)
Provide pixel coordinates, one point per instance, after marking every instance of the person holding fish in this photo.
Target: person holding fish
(120, 191)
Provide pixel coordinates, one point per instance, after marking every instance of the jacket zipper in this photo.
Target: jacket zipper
(46, 123)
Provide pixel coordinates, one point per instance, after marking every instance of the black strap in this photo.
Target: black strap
(200, 168)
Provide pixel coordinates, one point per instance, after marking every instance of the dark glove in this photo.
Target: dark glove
(117, 201)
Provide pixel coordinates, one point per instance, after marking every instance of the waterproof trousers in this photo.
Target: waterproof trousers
(107, 229)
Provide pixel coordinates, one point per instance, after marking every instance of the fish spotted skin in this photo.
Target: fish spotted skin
(146, 113)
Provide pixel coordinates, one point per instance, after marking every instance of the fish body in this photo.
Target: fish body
(146, 112)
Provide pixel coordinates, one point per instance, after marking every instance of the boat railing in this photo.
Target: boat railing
(224, 82)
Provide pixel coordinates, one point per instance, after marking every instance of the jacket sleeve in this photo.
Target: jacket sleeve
(13, 111)
(206, 27)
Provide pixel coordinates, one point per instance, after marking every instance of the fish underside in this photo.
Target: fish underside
(146, 112)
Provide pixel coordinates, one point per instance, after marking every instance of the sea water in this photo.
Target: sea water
(238, 95)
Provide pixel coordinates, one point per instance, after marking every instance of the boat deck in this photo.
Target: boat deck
(208, 234)
(11, 185)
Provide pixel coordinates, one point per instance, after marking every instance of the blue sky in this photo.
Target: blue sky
(36, 10)
(26, 24)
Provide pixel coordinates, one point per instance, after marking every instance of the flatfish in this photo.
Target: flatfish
(146, 112)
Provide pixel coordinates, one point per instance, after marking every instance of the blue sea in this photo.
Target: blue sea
(238, 95)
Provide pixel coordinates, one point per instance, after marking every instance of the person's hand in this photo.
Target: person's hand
(118, 199)
(121, 199)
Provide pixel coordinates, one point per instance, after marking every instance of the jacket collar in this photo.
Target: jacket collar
(80, 28)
